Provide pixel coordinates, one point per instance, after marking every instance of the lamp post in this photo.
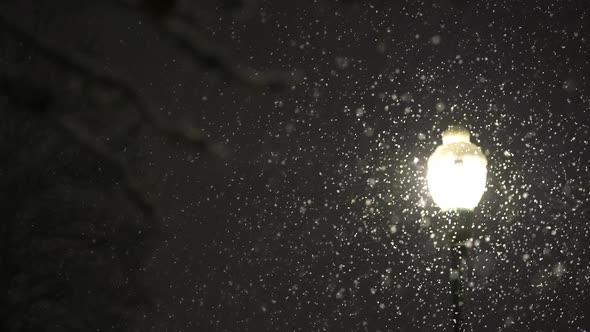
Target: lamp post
(456, 177)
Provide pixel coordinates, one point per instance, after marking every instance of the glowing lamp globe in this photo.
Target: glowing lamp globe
(456, 173)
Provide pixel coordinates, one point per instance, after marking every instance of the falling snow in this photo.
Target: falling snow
(320, 217)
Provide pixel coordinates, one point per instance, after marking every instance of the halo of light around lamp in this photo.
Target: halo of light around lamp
(456, 172)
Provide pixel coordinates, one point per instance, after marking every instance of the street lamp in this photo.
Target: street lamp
(456, 177)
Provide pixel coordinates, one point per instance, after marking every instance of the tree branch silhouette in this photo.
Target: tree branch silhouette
(186, 33)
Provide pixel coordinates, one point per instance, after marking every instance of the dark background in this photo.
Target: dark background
(316, 216)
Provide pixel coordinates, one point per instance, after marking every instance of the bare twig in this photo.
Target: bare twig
(187, 32)
(119, 164)
(21, 91)
(92, 72)
(199, 48)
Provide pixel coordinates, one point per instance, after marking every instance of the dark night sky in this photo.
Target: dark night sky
(320, 219)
